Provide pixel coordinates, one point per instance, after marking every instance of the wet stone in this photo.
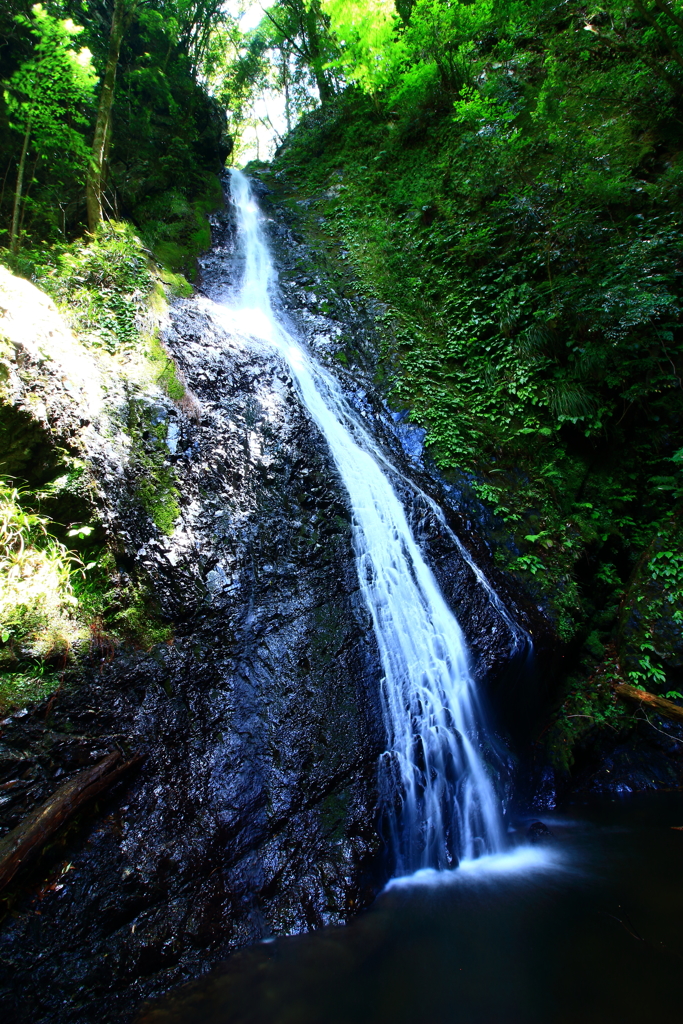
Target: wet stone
(254, 811)
(222, 836)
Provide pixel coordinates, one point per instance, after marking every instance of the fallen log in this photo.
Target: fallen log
(24, 841)
(658, 704)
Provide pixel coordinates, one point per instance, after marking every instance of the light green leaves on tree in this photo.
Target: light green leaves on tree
(366, 31)
(47, 96)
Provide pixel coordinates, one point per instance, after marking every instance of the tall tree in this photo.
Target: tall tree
(46, 97)
(187, 26)
(302, 28)
(122, 14)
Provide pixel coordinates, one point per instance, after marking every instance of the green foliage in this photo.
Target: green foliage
(168, 377)
(59, 606)
(138, 621)
(364, 30)
(177, 284)
(159, 496)
(46, 93)
(589, 706)
(102, 286)
(39, 619)
(170, 139)
(35, 569)
(290, 53)
(652, 616)
(44, 99)
(511, 194)
(168, 135)
(119, 610)
(109, 290)
(17, 689)
(156, 487)
(177, 229)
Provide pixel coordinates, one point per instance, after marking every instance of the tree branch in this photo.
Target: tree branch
(25, 841)
(659, 704)
(649, 17)
(284, 35)
(665, 9)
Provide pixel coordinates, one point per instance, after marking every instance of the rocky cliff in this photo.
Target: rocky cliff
(254, 810)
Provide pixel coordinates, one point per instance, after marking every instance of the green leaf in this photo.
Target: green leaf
(80, 531)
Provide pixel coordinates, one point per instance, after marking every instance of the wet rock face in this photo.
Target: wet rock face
(514, 654)
(254, 811)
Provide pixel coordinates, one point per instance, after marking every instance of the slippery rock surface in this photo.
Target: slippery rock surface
(254, 811)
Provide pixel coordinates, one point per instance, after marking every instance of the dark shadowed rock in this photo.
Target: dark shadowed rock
(254, 812)
(537, 832)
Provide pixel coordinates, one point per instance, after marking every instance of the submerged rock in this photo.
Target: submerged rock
(537, 832)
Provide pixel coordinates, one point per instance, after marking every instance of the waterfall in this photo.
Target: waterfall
(440, 805)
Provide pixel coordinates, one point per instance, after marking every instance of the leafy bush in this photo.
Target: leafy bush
(102, 286)
(39, 620)
(56, 609)
(176, 228)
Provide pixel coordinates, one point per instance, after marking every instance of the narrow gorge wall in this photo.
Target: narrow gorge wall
(254, 811)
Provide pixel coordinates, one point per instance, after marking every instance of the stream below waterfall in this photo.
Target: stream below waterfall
(586, 929)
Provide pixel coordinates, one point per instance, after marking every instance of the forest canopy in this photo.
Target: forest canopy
(118, 109)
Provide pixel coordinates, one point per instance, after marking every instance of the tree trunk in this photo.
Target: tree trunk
(285, 83)
(4, 182)
(665, 8)
(658, 704)
(649, 17)
(96, 169)
(24, 841)
(325, 88)
(14, 234)
(32, 178)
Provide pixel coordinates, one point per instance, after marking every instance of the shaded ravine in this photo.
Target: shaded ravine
(439, 802)
(254, 811)
(409, 967)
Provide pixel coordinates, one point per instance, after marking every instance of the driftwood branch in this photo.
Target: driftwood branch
(24, 841)
(659, 704)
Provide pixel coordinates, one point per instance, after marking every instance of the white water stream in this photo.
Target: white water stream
(441, 807)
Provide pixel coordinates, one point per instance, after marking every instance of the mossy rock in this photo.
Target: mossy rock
(27, 451)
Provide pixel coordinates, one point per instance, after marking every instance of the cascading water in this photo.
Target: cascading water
(441, 807)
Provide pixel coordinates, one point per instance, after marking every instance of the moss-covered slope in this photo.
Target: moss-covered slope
(83, 381)
(528, 270)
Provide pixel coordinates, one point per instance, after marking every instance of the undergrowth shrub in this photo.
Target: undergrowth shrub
(102, 286)
(40, 624)
(56, 609)
(523, 243)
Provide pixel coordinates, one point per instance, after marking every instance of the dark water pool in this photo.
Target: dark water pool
(587, 929)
